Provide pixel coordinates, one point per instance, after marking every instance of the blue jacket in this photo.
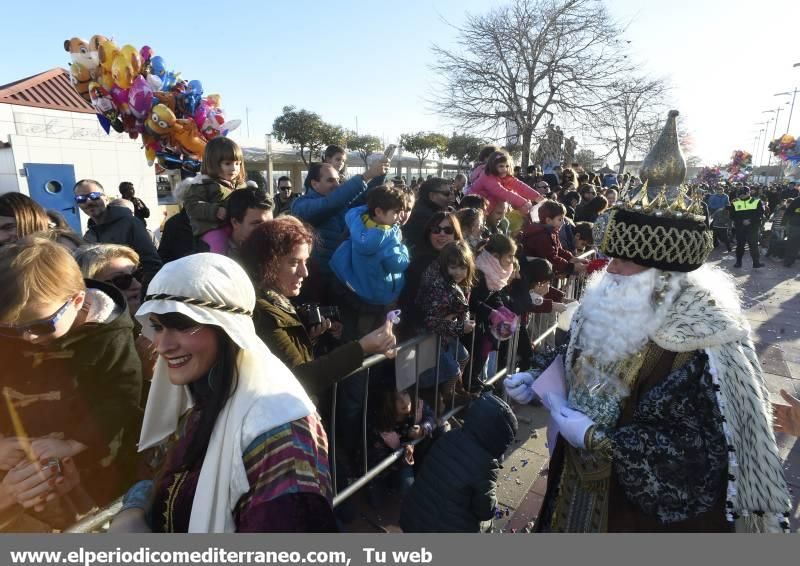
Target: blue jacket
(371, 263)
(326, 215)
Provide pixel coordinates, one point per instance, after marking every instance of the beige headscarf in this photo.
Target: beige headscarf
(214, 290)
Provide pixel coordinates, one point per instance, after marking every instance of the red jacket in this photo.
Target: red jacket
(540, 240)
(553, 296)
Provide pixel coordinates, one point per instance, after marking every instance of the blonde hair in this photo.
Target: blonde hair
(94, 258)
(222, 149)
(35, 270)
(29, 215)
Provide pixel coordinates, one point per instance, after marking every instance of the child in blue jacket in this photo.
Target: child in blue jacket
(372, 260)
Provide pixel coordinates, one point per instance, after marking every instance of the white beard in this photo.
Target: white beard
(619, 315)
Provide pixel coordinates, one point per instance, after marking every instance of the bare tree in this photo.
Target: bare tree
(625, 123)
(525, 62)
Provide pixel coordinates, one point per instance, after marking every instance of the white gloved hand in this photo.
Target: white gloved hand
(572, 424)
(518, 387)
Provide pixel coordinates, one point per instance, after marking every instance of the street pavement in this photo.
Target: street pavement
(771, 303)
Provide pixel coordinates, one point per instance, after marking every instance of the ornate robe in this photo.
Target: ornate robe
(683, 438)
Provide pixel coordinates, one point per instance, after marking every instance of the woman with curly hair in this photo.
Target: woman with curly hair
(275, 256)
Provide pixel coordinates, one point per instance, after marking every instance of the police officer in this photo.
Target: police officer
(746, 213)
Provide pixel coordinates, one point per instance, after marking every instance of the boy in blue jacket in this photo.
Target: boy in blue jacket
(372, 260)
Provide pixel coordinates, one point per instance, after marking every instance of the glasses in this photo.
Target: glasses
(286, 188)
(443, 230)
(91, 196)
(124, 281)
(38, 328)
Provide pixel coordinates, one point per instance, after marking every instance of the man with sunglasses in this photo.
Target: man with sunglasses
(285, 196)
(115, 225)
(435, 195)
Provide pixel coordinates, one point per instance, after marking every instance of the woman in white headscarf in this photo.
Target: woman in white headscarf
(246, 449)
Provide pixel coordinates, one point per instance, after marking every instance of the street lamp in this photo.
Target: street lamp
(791, 110)
(766, 139)
(777, 112)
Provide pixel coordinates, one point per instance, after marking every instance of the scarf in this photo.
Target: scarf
(212, 289)
(496, 276)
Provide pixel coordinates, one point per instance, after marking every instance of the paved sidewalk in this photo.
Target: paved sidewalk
(771, 299)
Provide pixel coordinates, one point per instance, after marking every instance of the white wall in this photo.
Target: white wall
(60, 137)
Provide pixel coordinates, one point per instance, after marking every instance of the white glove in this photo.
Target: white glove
(518, 387)
(572, 424)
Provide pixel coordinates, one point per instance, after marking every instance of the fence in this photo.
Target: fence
(541, 329)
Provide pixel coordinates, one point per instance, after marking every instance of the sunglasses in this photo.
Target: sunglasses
(124, 281)
(91, 196)
(38, 328)
(443, 230)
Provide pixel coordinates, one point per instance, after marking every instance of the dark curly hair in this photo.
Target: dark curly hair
(269, 242)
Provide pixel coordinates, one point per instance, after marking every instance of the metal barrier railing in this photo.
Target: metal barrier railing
(541, 329)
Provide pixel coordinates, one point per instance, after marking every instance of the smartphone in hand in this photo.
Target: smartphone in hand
(389, 152)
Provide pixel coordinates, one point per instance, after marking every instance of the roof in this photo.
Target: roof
(51, 89)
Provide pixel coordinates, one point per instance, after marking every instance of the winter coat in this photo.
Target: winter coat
(327, 215)
(177, 240)
(283, 206)
(202, 199)
(754, 215)
(121, 227)
(456, 488)
(372, 260)
(566, 235)
(286, 337)
(442, 302)
(508, 189)
(421, 214)
(84, 386)
(540, 240)
(718, 201)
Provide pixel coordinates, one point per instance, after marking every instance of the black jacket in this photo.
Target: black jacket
(177, 240)
(85, 386)
(456, 488)
(121, 227)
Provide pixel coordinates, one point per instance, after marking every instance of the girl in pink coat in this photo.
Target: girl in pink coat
(498, 184)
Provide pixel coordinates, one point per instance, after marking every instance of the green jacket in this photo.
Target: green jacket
(203, 197)
(85, 386)
(287, 338)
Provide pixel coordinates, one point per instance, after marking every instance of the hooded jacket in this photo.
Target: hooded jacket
(372, 261)
(84, 386)
(120, 226)
(201, 200)
(456, 489)
(326, 213)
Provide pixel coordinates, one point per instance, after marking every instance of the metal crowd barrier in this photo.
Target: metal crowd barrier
(541, 329)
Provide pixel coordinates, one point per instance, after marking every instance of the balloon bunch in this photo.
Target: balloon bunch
(786, 147)
(709, 175)
(133, 91)
(741, 165)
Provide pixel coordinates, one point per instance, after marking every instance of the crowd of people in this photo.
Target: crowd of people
(205, 377)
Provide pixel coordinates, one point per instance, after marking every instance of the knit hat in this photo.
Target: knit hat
(668, 232)
(212, 289)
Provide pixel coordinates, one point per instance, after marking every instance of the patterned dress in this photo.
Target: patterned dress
(287, 468)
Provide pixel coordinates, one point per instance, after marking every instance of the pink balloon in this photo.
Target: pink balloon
(146, 52)
(120, 97)
(140, 97)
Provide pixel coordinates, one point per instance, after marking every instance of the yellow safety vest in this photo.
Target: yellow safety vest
(743, 205)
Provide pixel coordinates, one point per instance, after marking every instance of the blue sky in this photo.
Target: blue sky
(369, 60)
